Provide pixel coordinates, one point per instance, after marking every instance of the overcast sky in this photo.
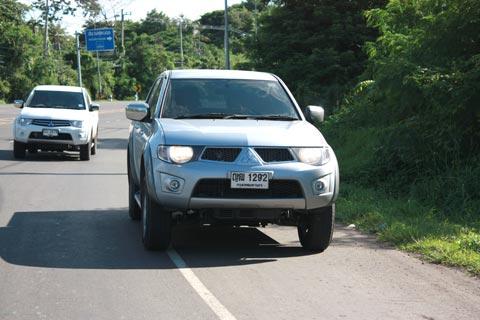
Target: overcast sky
(192, 9)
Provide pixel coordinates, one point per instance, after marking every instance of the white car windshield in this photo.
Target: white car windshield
(57, 99)
(228, 99)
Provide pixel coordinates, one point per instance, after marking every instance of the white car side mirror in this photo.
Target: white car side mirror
(315, 113)
(18, 103)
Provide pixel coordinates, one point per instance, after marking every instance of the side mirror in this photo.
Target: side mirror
(18, 103)
(94, 107)
(137, 111)
(314, 113)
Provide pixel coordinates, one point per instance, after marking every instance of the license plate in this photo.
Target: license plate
(249, 180)
(50, 133)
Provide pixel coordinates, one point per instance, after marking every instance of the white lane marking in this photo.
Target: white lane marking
(199, 287)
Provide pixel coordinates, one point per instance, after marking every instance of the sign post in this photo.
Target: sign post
(100, 39)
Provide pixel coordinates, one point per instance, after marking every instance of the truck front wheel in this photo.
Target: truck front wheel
(19, 149)
(315, 229)
(156, 223)
(85, 150)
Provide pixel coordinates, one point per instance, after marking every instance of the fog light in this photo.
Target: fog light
(319, 186)
(174, 185)
(171, 184)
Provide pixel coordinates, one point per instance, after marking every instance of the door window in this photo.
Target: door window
(152, 100)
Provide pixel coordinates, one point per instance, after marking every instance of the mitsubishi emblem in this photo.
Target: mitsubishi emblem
(248, 158)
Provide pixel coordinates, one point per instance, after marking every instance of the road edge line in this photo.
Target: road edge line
(217, 307)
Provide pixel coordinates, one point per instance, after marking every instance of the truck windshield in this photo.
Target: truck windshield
(227, 99)
(57, 99)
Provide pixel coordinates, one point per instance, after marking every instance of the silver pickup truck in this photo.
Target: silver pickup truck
(220, 147)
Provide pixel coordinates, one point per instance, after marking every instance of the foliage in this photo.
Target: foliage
(58, 8)
(241, 23)
(411, 128)
(425, 96)
(315, 46)
(151, 46)
(430, 90)
(23, 64)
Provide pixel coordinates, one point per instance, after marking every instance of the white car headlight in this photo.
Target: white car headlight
(175, 154)
(313, 156)
(24, 121)
(77, 123)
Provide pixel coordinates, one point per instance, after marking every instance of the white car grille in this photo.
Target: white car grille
(51, 123)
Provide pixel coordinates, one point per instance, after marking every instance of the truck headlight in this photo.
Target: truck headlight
(313, 156)
(24, 121)
(175, 154)
(76, 123)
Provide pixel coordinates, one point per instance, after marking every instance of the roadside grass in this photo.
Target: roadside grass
(412, 226)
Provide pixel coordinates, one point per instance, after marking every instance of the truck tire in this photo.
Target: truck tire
(85, 151)
(315, 229)
(19, 149)
(94, 144)
(93, 149)
(156, 223)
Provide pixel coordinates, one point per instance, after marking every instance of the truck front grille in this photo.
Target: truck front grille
(51, 123)
(221, 154)
(274, 154)
(220, 188)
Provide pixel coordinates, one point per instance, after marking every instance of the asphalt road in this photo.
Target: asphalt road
(69, 251)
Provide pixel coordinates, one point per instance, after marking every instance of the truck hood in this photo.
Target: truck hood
(49, 113)
(215, 132)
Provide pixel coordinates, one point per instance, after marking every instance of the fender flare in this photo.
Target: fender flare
(149, 172)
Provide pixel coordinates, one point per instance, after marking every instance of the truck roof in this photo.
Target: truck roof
(58, 88)
(220, 74)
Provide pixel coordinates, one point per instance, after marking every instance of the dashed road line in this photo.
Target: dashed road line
(219, 309)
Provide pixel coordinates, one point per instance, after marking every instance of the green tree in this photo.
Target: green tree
(426, 64)
(59, 8)
(315, 46)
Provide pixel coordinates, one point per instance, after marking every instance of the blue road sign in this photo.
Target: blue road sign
(100, 39)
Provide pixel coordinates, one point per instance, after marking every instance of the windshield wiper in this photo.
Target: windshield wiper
(238, 116)
(275, 117)
(38, 105)
(66, 107)
(204, 116)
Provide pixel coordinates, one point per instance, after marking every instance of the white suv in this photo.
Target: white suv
(56, 118)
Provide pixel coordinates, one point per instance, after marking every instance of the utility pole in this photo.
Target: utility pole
(256, 18)
(99, 79)
(45, 37)
(122, 16)
(79, 66)
(226, 41)
(181, 40)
